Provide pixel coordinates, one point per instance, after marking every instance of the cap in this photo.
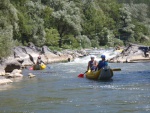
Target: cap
(92, 56)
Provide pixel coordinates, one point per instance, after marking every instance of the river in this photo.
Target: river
(58, 90)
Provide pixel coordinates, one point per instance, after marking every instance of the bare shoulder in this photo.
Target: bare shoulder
(95, 61)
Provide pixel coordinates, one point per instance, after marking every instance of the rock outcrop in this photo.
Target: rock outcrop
(23, 56)
(30, 75)
(15, 73)
(12, 64)
(133, 53)
(2, 71)
(4, 81)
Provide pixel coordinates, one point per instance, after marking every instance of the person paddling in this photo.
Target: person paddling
(92, 64)
(102, 63)
(39, 61)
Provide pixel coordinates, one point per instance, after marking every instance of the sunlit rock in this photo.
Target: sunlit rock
(30, 75)
(11, 65)
(2, 71)
(15, 73)
(4, 81)
(133, 53)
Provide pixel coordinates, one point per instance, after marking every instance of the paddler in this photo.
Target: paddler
(39, 61)
(102, 63)
(92, 64)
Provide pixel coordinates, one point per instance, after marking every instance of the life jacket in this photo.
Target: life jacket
(102, 64)
(39, 61)
(91, 64)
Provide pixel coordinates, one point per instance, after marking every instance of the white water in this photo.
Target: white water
(97, 53)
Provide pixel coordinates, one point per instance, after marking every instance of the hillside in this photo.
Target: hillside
(73, 24)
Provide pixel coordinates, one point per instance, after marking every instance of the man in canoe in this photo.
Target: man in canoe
(102, 63)
(39, 61)
(92, 64)
(39, 64)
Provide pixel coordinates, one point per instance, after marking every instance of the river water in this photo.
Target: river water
(58, 90)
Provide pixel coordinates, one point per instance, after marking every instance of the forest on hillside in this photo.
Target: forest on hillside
(73, 24)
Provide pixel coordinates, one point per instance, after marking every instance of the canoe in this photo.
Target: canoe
(39, 67)
(103, 74)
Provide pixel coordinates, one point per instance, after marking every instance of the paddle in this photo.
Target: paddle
(31, 58)
(82, 75)
(117, 69)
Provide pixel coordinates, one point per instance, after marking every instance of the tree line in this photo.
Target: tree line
(73, 23)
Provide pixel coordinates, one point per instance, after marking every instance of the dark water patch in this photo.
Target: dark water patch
(50, 99)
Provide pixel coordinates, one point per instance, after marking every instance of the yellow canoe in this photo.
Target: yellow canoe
(39, 67)
(103, 74)
(42, 66)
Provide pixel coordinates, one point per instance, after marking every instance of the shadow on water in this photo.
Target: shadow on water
(110, 80)
(101, 81)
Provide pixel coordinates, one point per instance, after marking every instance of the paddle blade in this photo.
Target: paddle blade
(118, 69)
(81, 75)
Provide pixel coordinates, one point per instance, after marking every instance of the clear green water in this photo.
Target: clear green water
(58, 90)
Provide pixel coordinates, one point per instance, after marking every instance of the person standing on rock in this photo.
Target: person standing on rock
(102, 63)
(92, 64)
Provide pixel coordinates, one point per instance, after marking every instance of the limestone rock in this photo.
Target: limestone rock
(133, 53)
(15, 73)
(30, 75)
(4, 81)
(11, 65)
(2, 71)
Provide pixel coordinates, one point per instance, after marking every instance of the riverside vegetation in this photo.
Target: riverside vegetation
(65, 24)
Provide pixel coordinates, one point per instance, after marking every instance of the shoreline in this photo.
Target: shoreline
(23, 57)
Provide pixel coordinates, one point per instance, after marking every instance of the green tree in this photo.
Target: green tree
(47, 17)
(52, 37)
(126, 28)
(106, 37)
(84, 41)
(66, 18)
(31, 24)
(6, 41)
(69, 41)
(8, 23)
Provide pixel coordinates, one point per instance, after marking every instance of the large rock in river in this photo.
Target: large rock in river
(11, 64)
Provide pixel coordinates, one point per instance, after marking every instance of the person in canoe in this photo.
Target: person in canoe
(39, 61)
(102, 63)
(92, 64)
(38, 64)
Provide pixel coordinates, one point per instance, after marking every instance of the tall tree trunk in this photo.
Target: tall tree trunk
(60, 41)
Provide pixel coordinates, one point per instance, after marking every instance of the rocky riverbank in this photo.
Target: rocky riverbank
(23, 56)
(133, 53)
